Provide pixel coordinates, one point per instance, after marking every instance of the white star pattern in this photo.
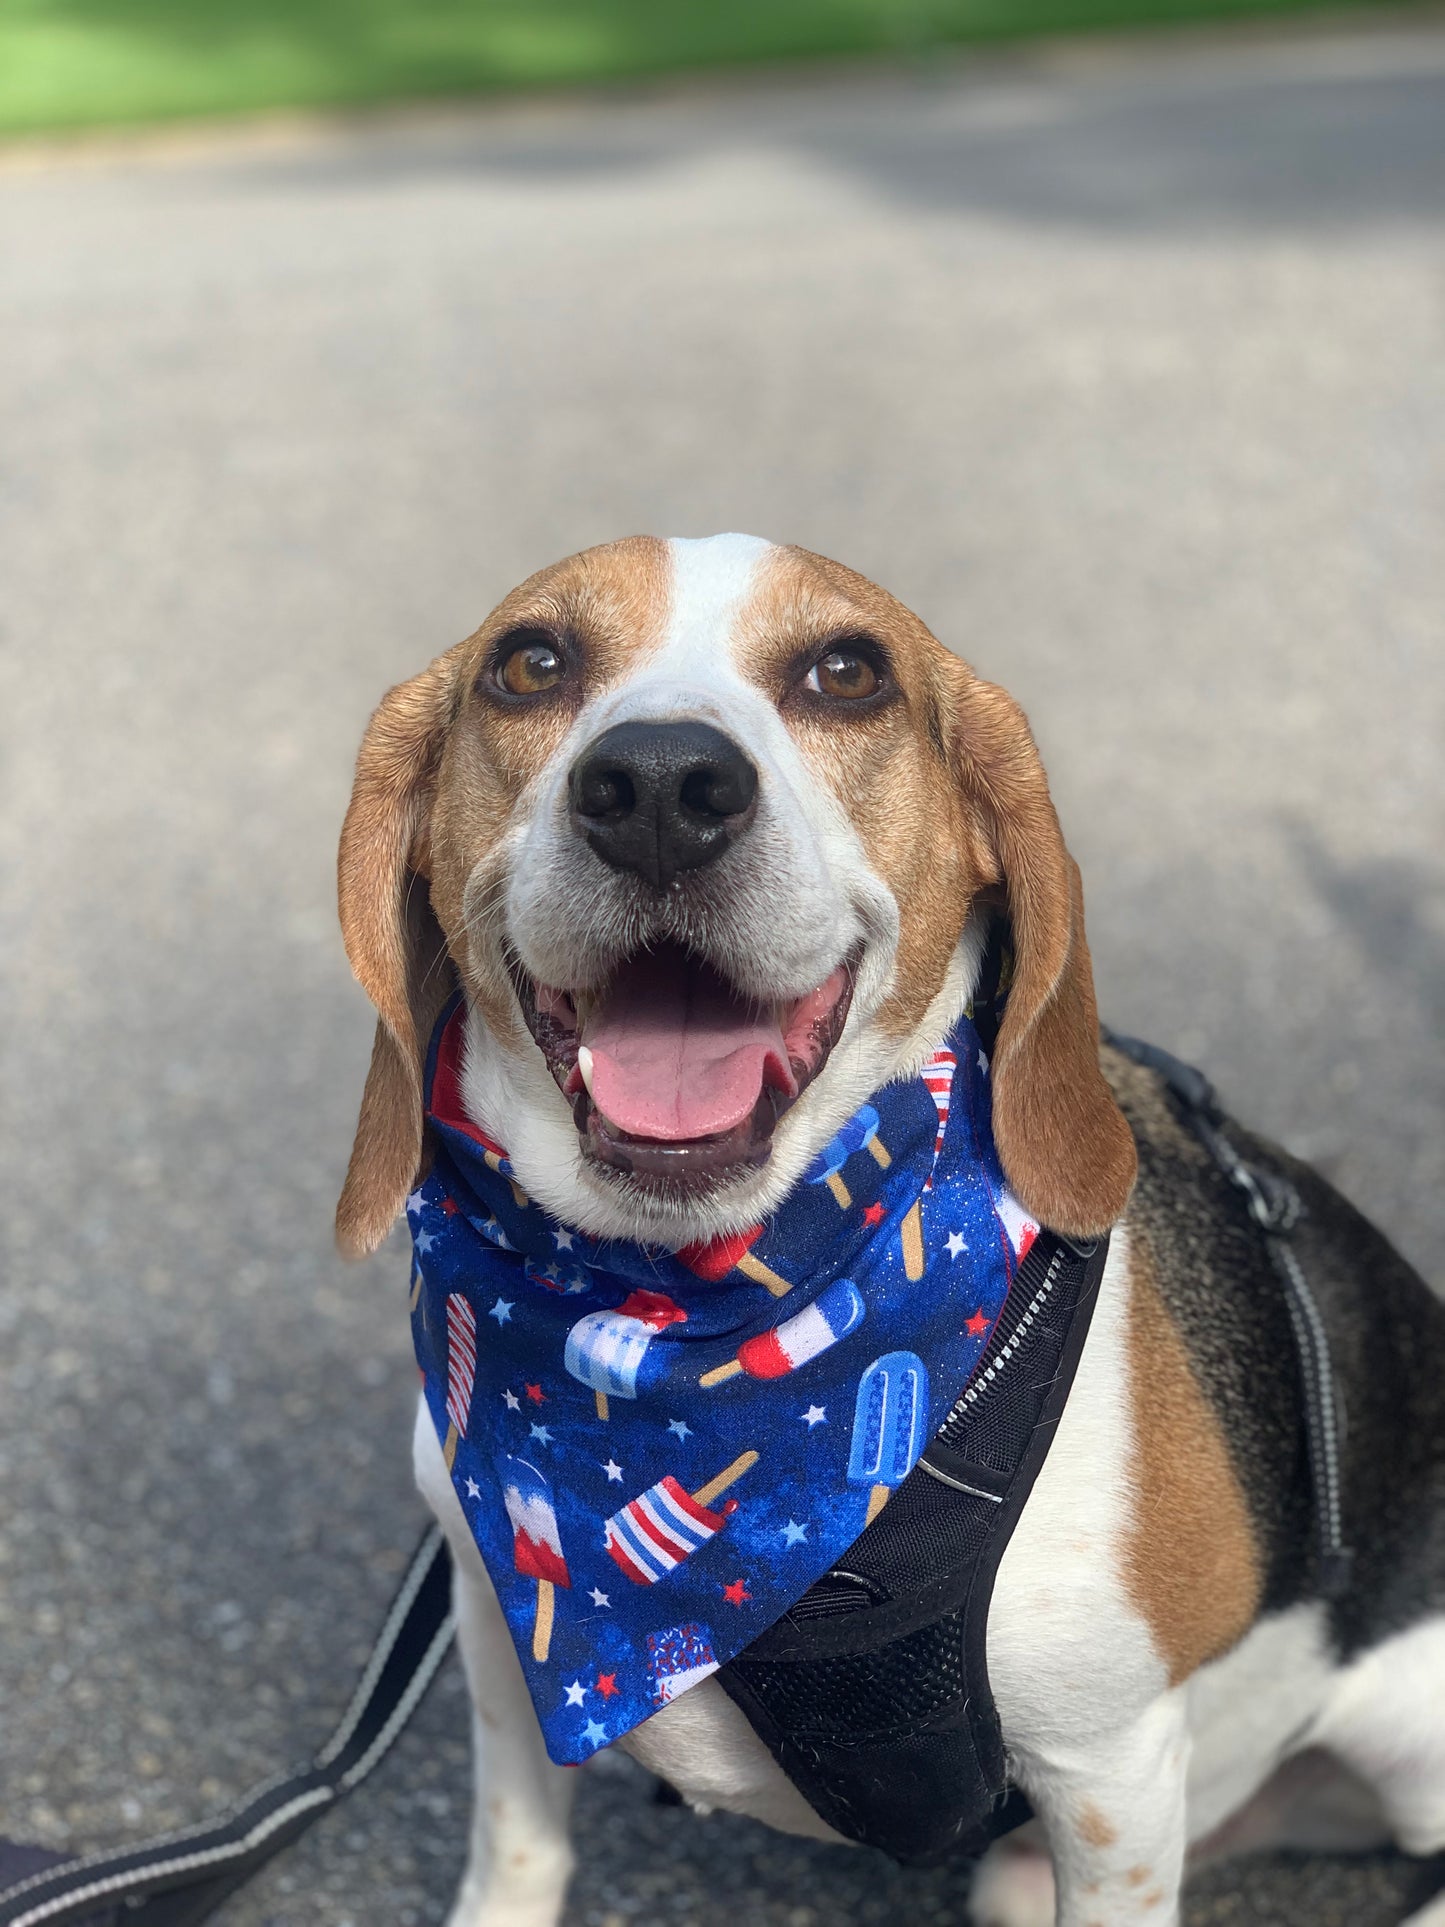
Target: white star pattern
(474, 1491)
(579, 1283)
(553, 1273)
(541, 1435)
(514, 1404)
(681, 1427)
(501, 1311)
(576, 1693)
(593, 1733)
(815, 1415)
(416, 1200)
(613, 1471)
(424, 1241)
(562, 1238)
(600, 1598)
(956, 1243)
(983, 1063)
(794, 1533)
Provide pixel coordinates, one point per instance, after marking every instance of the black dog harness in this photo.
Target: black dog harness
(872, 1692)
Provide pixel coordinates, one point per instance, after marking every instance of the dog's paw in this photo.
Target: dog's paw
(1014, 1886)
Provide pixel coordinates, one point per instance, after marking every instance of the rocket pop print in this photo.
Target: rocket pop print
(653, 1534)
(461, 1370)
(607, 1349)
(536, 1542)
(860, 1133)
(773, 1354)
(890, 1425)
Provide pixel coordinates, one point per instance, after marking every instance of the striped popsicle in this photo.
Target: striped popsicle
(461, 1370)
(655, 1532)
(938, 1075)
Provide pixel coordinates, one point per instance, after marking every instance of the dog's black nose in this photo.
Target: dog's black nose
(660, 798)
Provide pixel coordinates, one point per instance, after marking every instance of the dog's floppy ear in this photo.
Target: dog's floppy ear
(1064, 1144)
(395, 944)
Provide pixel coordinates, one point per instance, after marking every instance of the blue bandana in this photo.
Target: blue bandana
(659, 1452)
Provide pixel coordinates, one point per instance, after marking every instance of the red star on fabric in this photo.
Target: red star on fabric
(536, 1394)
(607, 1684)
(449, 1206)
(737, 1592)
(977, 1325)
(873, 1215)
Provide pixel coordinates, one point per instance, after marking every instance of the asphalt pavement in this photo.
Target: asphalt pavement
(1122, 365)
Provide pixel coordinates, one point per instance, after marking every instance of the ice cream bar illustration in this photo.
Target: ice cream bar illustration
(773, 1354)
(536, 1544)
(860, 1133)
(666, 1524)
(678, 1658)
(607, 1349)
(461, 1370)
(499, 1162)
(716, 1259)
(890, 1425)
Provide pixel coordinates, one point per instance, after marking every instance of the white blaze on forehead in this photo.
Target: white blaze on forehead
(711, 580)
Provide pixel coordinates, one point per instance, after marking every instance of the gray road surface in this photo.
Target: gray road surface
(1125, 369)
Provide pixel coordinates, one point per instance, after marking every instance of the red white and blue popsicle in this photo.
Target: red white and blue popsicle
(860, 1133)
(608, 1349)
(652, 1535)
(938, 1079)
(461, 1370)
(536, 1542)
(890, 1425)
(773, 1354)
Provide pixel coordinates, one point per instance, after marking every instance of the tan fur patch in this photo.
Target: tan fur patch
(1095, 1830)
(1191, 1562)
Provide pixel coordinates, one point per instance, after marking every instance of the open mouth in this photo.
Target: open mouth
(677, 1079)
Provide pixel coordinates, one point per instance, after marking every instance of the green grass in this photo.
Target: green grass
(74, 63)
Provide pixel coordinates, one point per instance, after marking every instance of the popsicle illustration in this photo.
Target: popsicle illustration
(1019, 1227)
(461, 1370)
(678, 1658)
(666, 1524)
(890, 1425)
(860, 1133)
(722, 1255)
(938, 1079)
(773, 1354)
(607, 1349)
(536, 1544)
(498, 1161)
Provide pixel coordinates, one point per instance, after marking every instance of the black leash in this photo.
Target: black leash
(1276, 1208)
(181, 1878)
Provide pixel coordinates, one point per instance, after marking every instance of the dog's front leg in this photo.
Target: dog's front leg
(1114, 1814)
(519, 1859)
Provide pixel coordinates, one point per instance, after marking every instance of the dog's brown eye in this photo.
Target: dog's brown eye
(530, 667)
(844, 674)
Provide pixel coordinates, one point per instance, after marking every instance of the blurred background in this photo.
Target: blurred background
(1116, 354)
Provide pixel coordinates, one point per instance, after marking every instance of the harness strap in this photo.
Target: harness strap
(1276, 1208)
(181, 1878)
(872, 1691)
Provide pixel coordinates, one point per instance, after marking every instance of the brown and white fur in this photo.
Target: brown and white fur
(1154, 1649)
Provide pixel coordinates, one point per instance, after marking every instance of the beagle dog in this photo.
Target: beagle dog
(802, 793)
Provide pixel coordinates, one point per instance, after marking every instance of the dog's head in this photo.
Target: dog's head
(709, 832)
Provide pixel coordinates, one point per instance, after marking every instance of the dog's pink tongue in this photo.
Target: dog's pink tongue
(676, 1053)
